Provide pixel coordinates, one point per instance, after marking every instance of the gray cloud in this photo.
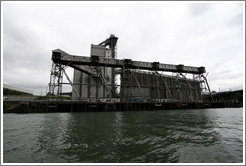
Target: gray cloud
(197, 9)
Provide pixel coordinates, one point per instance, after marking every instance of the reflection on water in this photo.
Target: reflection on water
(118, 126)
(212, 135)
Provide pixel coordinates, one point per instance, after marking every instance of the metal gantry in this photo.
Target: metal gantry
(176, 88)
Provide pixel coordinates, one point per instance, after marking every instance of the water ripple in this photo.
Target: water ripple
(174, 136)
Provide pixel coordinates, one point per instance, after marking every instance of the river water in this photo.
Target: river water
(170, 136)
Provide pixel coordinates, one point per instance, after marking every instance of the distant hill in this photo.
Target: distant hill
(12, 90)
(7, 92)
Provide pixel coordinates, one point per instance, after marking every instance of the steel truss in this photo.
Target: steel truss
(58, 72)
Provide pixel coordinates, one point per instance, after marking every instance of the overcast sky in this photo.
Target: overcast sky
(193, 34)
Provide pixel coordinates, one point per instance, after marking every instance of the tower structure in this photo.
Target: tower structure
(97, 82)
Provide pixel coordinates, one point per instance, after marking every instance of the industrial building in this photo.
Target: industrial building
(148, 86)
(94, 84)
(95, 77)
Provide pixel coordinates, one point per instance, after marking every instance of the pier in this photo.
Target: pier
(78, 106)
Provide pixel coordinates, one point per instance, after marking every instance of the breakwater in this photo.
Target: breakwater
(77, 106)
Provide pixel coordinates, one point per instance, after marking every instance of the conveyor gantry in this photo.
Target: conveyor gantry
(61, 57)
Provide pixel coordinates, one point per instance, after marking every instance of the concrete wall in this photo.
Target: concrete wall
(159, 87)
(92, 88)
(76, 80)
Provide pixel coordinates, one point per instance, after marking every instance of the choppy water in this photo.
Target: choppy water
(199, 136)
